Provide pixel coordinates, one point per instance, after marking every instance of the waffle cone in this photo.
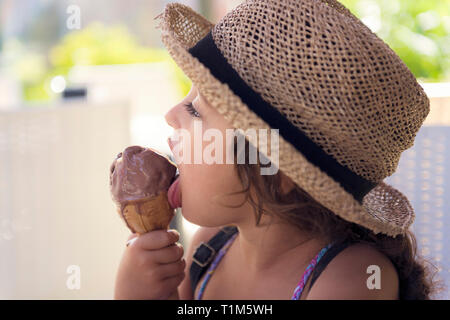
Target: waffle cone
(148, 214)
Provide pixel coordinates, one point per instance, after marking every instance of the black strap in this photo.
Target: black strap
(205, 253)
(326, 259)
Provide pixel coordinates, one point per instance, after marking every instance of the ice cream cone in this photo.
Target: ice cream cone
(139, 181)
(147, 214)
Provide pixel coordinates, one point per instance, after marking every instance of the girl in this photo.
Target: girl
(324, 226)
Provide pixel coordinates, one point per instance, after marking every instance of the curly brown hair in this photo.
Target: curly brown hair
(417, 280)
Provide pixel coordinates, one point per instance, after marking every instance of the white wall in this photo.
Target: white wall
(55, 206)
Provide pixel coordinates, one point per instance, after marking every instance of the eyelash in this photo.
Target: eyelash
(190, 108)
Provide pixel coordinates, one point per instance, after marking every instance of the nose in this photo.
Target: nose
(171, 118)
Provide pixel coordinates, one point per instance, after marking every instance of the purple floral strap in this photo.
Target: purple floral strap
(299, 289)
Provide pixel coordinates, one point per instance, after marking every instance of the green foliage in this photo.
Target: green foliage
(99, 45)
(96, 45)
(417, 30)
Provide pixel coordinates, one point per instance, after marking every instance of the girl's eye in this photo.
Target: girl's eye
(190, 108)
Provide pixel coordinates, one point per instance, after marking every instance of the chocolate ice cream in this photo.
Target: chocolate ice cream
(139, 180)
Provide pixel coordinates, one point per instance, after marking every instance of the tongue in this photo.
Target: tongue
(174, 195)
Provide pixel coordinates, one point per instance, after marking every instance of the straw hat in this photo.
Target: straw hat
(345, 104)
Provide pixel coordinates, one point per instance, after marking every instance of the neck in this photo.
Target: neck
(272, 245)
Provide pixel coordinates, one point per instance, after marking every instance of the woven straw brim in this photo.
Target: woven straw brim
(384, 209)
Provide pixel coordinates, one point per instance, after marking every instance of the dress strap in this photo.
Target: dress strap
(309, 269)
(213, 266)
(332, 251)
(205, 253)
(326, 259)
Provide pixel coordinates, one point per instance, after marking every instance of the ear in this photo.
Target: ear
(286, 183)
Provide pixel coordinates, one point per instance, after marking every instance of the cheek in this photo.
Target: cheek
(204, 185)
(202, 189)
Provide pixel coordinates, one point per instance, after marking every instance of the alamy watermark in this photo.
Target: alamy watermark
(374, 281)
(74, 19)
(214, 150)
(73, 281)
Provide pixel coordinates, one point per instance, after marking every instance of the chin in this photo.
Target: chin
(199, 218)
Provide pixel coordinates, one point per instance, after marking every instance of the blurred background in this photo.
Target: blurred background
(81, 80)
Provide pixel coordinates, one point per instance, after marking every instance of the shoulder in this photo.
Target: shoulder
(359, 272)
(202, 234)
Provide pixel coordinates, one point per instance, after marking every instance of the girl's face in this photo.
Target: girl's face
(201, 183)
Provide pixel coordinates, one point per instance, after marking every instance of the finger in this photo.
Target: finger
(169, 286)
(173, 282)
(157, 239)
(169, 270)
(169, 254)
